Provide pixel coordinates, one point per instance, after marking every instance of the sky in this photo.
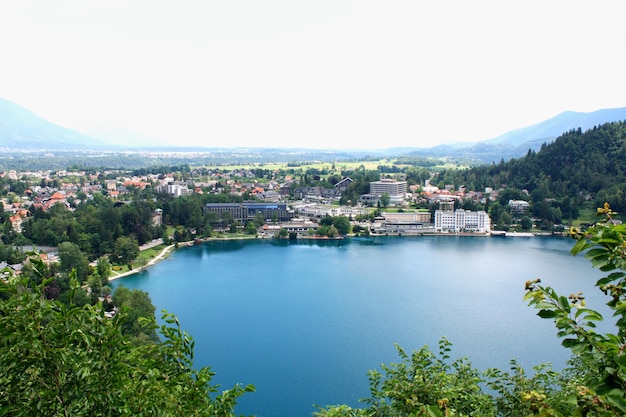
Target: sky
(339, 74)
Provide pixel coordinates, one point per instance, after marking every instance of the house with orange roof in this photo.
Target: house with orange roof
(16, 223)
(57, 197)
(138, 184)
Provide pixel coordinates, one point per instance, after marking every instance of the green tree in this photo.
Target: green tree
(342, 224)
(259, 219)
(327, 220)
(384, 200)
(322, 230)
(126, 250)
(526, 223)
(65, 360)
(250, 228)
(495, 212)
(71, 258)
(423, 384)
(103, 268)
(138, 306)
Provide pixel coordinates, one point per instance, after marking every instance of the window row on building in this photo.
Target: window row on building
(462, 221)
(247, 211)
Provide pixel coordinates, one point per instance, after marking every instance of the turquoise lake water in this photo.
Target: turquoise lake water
(304, 321)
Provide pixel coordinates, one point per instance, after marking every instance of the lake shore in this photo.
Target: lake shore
(170, 248)
(162, 255)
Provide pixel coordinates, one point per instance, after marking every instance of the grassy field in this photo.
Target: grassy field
(152, 252)
(339, 166)
(304, 166)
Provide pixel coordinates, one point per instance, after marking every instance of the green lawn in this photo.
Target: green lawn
(585, 216)
(152, 252)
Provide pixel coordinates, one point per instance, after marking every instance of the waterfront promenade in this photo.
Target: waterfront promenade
(162, 255)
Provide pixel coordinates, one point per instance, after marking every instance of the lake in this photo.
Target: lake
(304, 321)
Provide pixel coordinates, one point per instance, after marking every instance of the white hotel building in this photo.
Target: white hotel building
(395, 189)
(462, 221)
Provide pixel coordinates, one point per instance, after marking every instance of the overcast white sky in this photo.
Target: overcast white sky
(321, 74)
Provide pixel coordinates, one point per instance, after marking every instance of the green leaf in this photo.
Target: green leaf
(580, 246)
(564, 303)
(547, 314)
(571, 343)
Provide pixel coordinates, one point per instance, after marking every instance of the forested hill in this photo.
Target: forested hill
(577, 166)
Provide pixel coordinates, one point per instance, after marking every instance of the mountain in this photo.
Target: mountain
(22, 129)
(516, 143)
(577, 168)
(548, 130)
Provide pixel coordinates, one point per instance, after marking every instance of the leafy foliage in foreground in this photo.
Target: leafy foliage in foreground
(603, 391)
(66, 360)
(594, 384)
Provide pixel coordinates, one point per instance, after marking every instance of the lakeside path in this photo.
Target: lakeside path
(152, 261)
(166, 251)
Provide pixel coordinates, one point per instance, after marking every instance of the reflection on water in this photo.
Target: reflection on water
(304, 321)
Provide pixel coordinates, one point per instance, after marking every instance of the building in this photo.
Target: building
(412, 223)
(321, 210)
(16, 223)
(247, 210)
(462, 221)
(344, 183)
(395, 189)
(157, 217)
(416, 216)
(175, 189)
(299, 227)
(398, 227)
(389, 186)
(519, 207)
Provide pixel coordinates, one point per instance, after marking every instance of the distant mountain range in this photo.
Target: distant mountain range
(516, 143)
(20, 129)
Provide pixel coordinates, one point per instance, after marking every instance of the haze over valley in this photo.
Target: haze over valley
(337, 74)
(22, 131)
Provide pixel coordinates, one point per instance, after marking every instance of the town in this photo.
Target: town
(101, 212)
(390, 207)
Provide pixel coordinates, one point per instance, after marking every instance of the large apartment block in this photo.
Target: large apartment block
(396, 190)
(462, 221)
(247, 210)
(389, 186)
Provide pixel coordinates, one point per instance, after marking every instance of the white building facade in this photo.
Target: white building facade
(462, 221)
(321, 210)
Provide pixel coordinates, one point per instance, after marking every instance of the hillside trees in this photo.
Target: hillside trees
(564, 172)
